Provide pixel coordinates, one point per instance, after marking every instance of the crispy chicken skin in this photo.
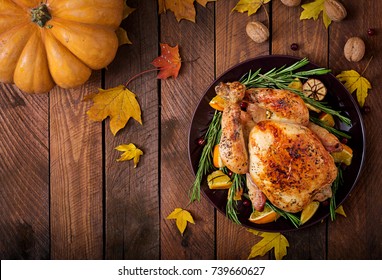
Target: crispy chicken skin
(282, 105)
(289, 164)
(330, 141)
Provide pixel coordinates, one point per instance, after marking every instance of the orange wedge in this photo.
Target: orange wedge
(309, 211)
(218, 103)
(218, 180)
(345, 156)
(296, 84)
(327, 119)
(266, 216)
(237, 195)
(216, 158)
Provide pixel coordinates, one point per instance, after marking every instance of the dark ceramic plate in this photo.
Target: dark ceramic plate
(338, 98)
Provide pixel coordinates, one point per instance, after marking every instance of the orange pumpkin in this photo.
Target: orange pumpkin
(57, 41)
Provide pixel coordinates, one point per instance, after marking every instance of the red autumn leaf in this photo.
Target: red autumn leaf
(168, 62)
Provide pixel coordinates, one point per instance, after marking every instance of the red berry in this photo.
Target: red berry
(230, 173)
(371, 32)
(244, 105)
(325, 203)
(366, 109)
(246, 203)
(201, 141)
(294, 47)
(344, 140)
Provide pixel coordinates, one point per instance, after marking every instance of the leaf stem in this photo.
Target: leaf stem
(140, 74)
(367, 65)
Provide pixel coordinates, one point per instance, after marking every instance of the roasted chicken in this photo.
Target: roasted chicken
(288, 161)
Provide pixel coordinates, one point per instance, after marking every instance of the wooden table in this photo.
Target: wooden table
(64, 196)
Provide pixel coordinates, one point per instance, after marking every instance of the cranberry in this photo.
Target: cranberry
(230, 173)
(366, 109)
(201, 141)
(344, 140)
(325, 203)
(244, 105)
(246, 203)
(371, 32)
(294, 47)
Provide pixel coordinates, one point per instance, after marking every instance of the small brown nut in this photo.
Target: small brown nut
(291, 3)
(257, 31)
(335, 10)
(354, 49)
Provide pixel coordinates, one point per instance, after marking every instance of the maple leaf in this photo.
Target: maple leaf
(270, 240)
(168, 62)
(118, 103)
(130, 151)
(340, 210)
(121, 33)
(182, 217)
(250, 6)
(313, 10)
(355, 82)
(183, 9)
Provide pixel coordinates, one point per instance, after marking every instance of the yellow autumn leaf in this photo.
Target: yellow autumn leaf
(118, 103)
(182, 217)
(130, 151)
(250, 6)
(183, 9)
(340, 210)
(313, 10)
(122, 36)
(269, 241)
(353, 81)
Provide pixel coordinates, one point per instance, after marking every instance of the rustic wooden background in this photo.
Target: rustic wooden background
(64, 196)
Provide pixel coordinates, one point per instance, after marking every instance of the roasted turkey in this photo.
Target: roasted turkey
(284, 156)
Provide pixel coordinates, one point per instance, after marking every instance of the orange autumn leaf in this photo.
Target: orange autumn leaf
(118, 103)
(168, 62)
(183, 9)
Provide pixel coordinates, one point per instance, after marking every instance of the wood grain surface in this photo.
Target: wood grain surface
(63, 195)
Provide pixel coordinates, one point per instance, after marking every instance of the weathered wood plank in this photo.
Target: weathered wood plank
(359, 235)
(312, 39)
(233, 46)
(178, 101)
(132, 195)
(75, 175)
(24, 175)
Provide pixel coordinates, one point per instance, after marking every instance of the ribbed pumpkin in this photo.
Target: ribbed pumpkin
(43, 43)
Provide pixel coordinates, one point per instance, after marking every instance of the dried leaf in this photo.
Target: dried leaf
(118, 103)
(168, 62)
(182, 217)
(122, 36)
(127, 10)
(313, 10)
(183, 9)
(250, 6)
(353, 81)
(340, 210)
(270, 240)
(130, 151)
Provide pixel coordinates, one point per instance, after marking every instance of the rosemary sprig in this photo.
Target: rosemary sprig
(205, 163)
(293, 218)
(283, 76)
(337, 182)
(332, 130)
(231, 207)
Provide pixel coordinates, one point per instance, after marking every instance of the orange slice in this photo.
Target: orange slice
(296, 84)
(237, 195)
(218, 180)
(268, 215)
(345, 156)
(309, 211)
(327, 119)
(218, 103)
(216, 159)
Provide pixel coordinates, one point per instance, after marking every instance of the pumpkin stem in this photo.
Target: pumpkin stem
(41, 15)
